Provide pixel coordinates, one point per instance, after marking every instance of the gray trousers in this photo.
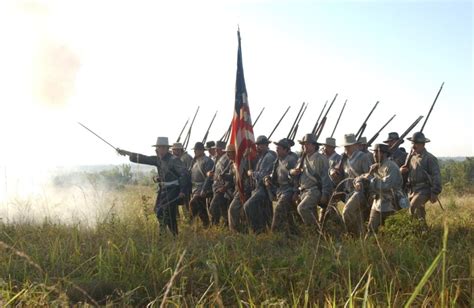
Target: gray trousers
(377, 219)
(356, 213)
(307, 208)
(235, 214)
(218, 208)
(417, 205)
(283, 220)
(258, 210)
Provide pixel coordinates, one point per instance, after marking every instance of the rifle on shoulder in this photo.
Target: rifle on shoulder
(369, 143)
(207, 132)
(364, 124)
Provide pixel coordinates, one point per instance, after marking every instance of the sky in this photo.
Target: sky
(135, 70)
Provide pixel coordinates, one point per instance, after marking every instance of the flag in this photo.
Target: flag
(242, 131)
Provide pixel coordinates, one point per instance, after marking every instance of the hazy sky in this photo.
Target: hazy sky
(135, 70)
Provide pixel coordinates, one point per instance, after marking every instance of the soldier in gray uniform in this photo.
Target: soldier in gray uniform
(354, 163)
(424, 176)
(236, 215)
(280, 178)
(211, 148)
(220, 187)
(385, 183)
(172, 182)
(398, 155)
(314, 184)
(364, 147)
(179, 152)
(201, 165)
(329, 150)
(258, 208)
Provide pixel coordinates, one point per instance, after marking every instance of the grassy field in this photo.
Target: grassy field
(122, 260)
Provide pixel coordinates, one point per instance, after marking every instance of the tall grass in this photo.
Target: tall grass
(124, 261)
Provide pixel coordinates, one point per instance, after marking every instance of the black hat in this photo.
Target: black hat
(284, 143)
(210, 145)
(381, 147)
(262, 140)
(220, 145)
(392, 136)
(418, 137)
(198, 146)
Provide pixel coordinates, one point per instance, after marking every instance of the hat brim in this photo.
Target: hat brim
(161, 145)
(282, 145)
(350, 143)
(388, 140)
(419, 141)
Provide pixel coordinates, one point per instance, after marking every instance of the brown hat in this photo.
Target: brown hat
(230, 148)
(177, 146)
(308, 138)
(418, 137)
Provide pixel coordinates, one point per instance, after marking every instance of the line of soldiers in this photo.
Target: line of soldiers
(371, 185)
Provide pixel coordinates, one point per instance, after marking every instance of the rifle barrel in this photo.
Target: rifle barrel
(340, 114)
(258, 117)
(405, 133)
(364, 124)
(432, 105)
(279, 121)
(188, 135)
(182, 130)
(296, 120)
(378, 132)
(207, 132)
(317, 121)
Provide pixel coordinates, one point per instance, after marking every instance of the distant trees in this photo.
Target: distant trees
(458, 176)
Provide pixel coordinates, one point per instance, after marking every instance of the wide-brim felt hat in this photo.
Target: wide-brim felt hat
(381, 147)
(308, 138)
(284, 143)
(230, 148)
(392, 136)
(199, 146)
(418, 137)
(262, 140)
(362, 140)
(220, 145)
(161, 141)
(349, 139)
(330, 142)
(210, 145)
(177, 146)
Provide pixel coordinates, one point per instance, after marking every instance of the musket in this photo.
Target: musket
(405, 133)
(364, 124)
(412, 152)
(369, 143)
(340, 114)
(317, 121)
(97, 136)
(293, 135)
(432, 105)
(188, 135)
(278, 123)
(207, 132)
(258, 117)
(294, 123)
(226, 135)
(182, 130)
(319, 130)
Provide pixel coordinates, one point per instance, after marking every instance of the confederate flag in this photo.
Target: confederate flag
(242, 132)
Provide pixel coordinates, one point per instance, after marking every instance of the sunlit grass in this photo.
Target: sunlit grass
(123, 260)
